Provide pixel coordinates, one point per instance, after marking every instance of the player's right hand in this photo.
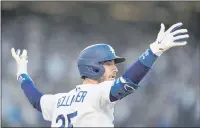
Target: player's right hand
(170, 38)
(21, 61)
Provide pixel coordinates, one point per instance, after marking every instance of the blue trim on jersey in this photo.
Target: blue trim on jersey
(30, 91)
(148, 58)
(132, 76)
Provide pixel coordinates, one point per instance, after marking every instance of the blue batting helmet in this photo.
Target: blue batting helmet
(90, 58)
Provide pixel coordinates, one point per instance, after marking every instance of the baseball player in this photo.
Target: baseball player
(91, 104)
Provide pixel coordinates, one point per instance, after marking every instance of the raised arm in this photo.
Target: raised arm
(129, 81)
(26, 82)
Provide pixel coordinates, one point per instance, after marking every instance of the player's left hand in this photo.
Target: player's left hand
(170, 38)
(21, 61)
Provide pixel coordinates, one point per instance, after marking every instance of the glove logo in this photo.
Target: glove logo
(112, 50)
(128, 88)
(21, 79)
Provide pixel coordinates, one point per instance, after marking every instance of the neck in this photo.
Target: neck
(90, 81)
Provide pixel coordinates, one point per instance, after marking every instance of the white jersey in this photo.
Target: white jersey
(87, 105)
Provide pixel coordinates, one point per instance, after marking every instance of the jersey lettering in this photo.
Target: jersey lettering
(62, 118)
(68, 100)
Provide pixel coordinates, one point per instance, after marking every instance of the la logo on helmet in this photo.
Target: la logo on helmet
(111, 49)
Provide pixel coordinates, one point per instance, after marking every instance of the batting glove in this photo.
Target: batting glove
(168, 39)
(21, 61)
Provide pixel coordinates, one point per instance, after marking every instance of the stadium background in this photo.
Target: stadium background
(55, 32)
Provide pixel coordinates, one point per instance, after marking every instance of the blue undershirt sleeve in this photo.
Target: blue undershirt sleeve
(140, 68)
(129, 81)
(30, 91)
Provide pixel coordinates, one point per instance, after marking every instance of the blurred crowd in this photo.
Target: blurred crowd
(54, 33)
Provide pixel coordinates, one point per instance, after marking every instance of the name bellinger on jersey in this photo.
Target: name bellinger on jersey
(96, 109)
(68, 100)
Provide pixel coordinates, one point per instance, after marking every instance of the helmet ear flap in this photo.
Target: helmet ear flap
(93, 71)
(99, 70)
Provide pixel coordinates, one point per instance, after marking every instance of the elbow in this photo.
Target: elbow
(35, 102)
(37, 106)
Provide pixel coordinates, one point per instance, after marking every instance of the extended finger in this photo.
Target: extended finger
(24, 54)
(180, 31)
(181, 37)
(182, 43)
(162, 27)
(174, 27)
(15, 56)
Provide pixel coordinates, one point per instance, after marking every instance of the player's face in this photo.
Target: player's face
(110, 70)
